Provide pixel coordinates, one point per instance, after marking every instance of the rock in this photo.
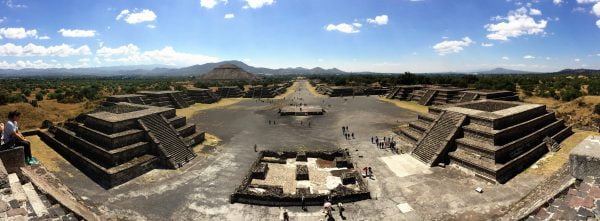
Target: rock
(584, 159)
(16, 212)
(4, 206)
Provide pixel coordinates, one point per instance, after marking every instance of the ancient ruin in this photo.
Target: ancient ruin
(116, 143)
(270, 91)
(435, 95)
(494, 139)
(203, 95)
(230, 92)
(301, 110)
(174, 99)
(294, 178)
(228, 72)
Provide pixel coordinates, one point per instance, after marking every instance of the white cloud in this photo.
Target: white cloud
(356, 24)
(528, 57)
(38, 64)
(151, 26)
(342, 27)
(487, 44)
(534, 11)
(516, 24)
(557, 2)
(136, 16)
(587, 1)
(379, 20)
(167, 55)
(229, 16)
(17, 33)
(596, 9)
(10, 4)
(45, 37)
(577, 60)
(63, 50)
(505, 58)
(598, 23)
(448, 47)
(77, 33)
(257, 3)
(2, 19)
(129, 49)
(211, 3)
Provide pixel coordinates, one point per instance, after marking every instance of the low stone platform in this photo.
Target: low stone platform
(287, 181)
(301, 110)
(584, 160)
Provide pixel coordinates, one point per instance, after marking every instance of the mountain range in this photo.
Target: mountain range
(160, 70)
(196, 70)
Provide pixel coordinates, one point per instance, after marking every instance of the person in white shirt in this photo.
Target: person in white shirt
(13, 137)
(1, 133)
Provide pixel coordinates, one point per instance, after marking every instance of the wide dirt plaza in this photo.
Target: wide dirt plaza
(402, 188)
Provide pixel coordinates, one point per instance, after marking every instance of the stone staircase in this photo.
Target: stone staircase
(436, 140)
(393, 93)
(135, 100)
(169, 141)
(468, 97)
(178, 100)
(427, 98)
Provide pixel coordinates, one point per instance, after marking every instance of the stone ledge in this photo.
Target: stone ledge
(584, 159)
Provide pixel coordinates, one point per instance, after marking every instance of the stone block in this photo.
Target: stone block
(301, 172)
(16, 212)
(584, 159)
(348, 178)
(13, 159)
(260, 172)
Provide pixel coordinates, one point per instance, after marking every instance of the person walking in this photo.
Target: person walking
(353, 135)
(341, 210)
(286, 216)
(255, 148)
(372, 139)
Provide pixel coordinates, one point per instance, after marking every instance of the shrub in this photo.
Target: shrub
(597, 109)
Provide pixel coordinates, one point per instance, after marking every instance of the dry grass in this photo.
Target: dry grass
(577, 112)
(190, 111)
(552, 162)
(46, 155)
(409, 105)
(209, 141)
(289, 90)
(313, 91)
(33, 117)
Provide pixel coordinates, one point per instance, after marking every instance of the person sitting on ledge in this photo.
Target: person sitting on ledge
(1, 134)
(13, 137)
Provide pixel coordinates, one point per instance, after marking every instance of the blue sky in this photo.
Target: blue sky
(353, 35)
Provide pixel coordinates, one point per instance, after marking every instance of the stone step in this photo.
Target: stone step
(34, 200)
(16, 187)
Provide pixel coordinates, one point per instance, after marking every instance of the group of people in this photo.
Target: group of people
(347, 134)
(368, 172)
(387, 142)
(12, 137)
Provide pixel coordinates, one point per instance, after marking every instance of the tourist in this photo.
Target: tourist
(309, 124)
(13, 137)
(372, 139)
(370, 172)
(341, 209)
(303, 204)
(269, 122)
(1, 133)
(353, 135)
(255, 148)
(286, 216)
